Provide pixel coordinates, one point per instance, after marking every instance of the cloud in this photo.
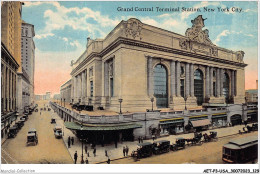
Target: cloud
(75, 43)
(227, 32)
(65, 39)
(77, 19)
(41, 36)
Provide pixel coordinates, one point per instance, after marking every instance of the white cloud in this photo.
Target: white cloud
(222, 34)
(75, 43)
(41, 36)
(65, 39)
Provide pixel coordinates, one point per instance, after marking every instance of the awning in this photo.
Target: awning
(75, 126)
(198, 117)
(219, 115)
(171, 121)
(199, 123)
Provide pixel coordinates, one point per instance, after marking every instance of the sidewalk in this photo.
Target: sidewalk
(115, 153)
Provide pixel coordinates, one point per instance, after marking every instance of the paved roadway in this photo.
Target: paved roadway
(48, 150)
(207, 153)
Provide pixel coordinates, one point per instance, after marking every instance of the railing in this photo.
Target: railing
(133, 117)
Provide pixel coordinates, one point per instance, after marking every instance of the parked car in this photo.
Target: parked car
(143, 150)
(12, 132)
(179, 143)
(162, 146)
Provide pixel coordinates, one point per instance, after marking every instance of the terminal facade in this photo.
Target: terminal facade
(139, 63)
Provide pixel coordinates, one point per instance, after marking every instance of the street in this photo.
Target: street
(48, 150)
(207, 153)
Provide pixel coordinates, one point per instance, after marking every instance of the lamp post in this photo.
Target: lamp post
(64, 102)
(120, 101)
(89, 101)
(152, 100)
(61, 102)
(82, 160)
(185, 99)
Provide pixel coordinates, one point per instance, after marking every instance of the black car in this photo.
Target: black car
(180, 143)
(143, 150)
(12, 132)
(162, 146)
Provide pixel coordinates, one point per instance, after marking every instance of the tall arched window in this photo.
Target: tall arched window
(160, 86)
(226, 86)
(198, 86)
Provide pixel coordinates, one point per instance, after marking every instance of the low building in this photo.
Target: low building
(252, 96)
(65, 92)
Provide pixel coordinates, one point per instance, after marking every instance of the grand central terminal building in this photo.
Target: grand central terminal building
(140, 63)
(162, 81)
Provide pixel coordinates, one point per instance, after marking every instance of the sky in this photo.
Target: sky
(62, 28)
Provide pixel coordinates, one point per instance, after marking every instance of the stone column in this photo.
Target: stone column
(207, 82)
(191, 80)
(173, 93)
(187, 80)
(211, 81)
(83, 76)
(221, 82)
(217, 83)
(235, 83)
(75, 88)
(178, 73)
(106, 79)
(150, 76)
(7, 89)
(232, 83)
(3, 87)
(11, 90)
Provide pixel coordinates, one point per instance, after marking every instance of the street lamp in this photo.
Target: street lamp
(82, 160)
(120, 101)
(61, 102)
(64, 102)
(152, 100)
(185, 99)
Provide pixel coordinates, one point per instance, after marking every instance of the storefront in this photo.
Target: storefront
(199, 122)
(172, 126)
(103, 134)
(252, 116)
(236, 119)
(219, 119)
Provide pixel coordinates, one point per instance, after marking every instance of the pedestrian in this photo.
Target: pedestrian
(94, 152)
(124, 150)
(72, 140)
(153, 136)
(75, 157)
(105, 152)
(139, 139)
(108, 160)
(86, 148)
(88, 154)
(69, 142)
(142, 139)
(86, 160)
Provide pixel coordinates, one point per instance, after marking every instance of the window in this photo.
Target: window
(111, 87)
(182, 70)
(182, 87)
(91, 88)
(214, 89)
(214, 73)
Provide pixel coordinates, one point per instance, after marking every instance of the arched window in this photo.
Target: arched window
(226, 86)
(198, 86)
(160, 86)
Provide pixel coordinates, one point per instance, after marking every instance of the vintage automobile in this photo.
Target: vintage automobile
(36, 110)
(25, 117)
(32, 139)
(53, 120)
(19, 124)
(57, 131)
(49, 109)
(143, 150)
(160, 147)
(196, 140)
(179, 143)
(33, 130)
(12, 132)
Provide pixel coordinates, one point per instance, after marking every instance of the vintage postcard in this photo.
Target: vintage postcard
(85, 83)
